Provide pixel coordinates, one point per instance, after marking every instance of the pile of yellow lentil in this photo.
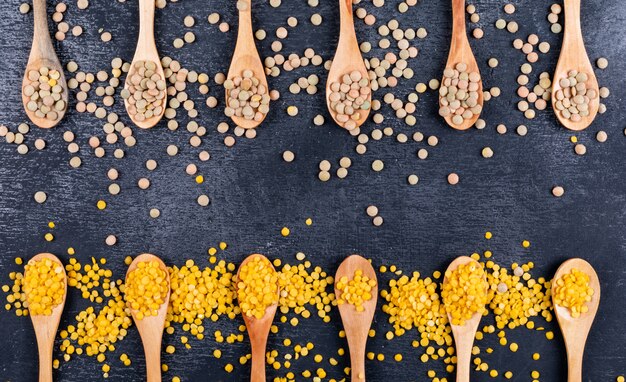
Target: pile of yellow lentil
(43, 286)
(411, 302)
(355, 291)
(464, 292)
(257, 287)
(573, 292)
(146, 288)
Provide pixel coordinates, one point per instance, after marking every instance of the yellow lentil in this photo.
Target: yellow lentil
(146, 288)
(573, 292)
(257, 286)
(465, 292)
(355, 291)
(44, 286)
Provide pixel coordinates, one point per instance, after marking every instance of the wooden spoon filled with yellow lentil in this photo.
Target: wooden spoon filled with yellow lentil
(465, 295)
(576, 298)
(45, 288)
(147, 294)
(258, 294)
(356, 290)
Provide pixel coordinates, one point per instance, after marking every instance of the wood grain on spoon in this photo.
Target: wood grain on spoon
(258, 330)
(347, 58)
(146, 51)
(357, 324)
(576, 330)
(574, 57)
(246, 57)
(151, 327)
(464, 335)
(42, 54)
(46, 327)
(461, 52)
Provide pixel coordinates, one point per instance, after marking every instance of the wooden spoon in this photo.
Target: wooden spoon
(146, 51)
(347, 58)
(246, 57)
(42, 54)
(463, 335)
(258, 331)
(575, 330)
(574, 57)
(151, 327)
(461, 52)
(46, 327)
(357, 324)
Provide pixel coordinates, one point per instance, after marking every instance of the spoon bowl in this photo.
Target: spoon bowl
(464, 334)
(146, 51)
(576, 330)
(46, 326)
(357, 324)
(258, 331)
(461, 52)
(347, 59)
(151, 327)
(246, 57)
(42, 54)
(574, 57)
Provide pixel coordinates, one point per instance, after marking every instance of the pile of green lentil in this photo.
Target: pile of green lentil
(388, 57)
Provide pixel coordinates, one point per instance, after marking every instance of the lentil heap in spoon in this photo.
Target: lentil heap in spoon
(458, 94)
(247, 97)
(350, 99)
(572, 100)
(145, 91)
(44, 93)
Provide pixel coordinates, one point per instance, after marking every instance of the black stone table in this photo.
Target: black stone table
(254, 193)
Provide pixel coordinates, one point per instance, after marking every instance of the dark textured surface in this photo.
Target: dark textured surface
(254, 193)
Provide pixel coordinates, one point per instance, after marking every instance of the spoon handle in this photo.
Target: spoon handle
(356, 344)
(572, 31)
(45, 358)
(42, 44)
(464, 345)
(347, 35)
(146, 26)
(459, 30)
(258, 344)
(153, 362)
(245, 36)
(151, 338)
(575, 351)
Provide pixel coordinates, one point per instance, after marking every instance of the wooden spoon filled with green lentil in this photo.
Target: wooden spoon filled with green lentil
(247, 92)
(575, 90)
(44, 89)
(461, 89)
(348, 90)
(145, 88)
